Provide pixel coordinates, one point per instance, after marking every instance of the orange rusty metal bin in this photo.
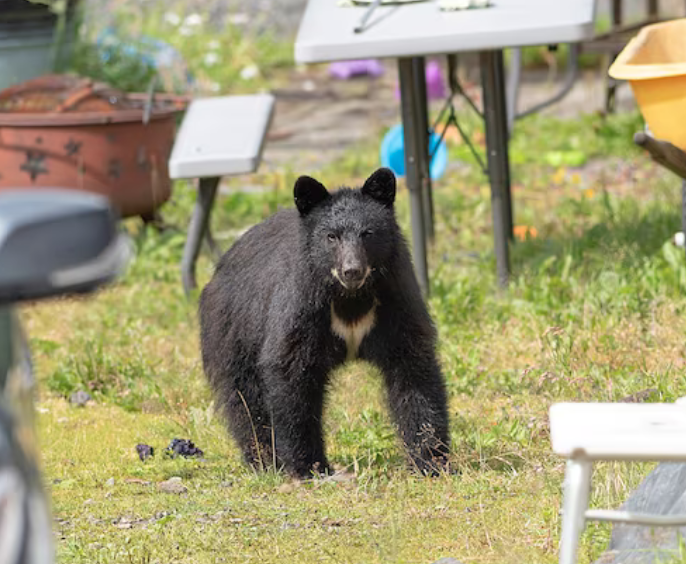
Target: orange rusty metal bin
(70, 132)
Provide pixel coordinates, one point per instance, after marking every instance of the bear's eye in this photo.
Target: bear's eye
(331, 236)
(366, 233)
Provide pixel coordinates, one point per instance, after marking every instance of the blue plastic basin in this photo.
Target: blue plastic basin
(393, 153)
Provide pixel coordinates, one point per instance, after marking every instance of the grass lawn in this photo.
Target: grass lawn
(595, 312)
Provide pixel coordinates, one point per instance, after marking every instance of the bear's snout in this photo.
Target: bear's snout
(353, 276)
(352, 268)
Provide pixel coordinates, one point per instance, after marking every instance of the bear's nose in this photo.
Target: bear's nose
(351, 275)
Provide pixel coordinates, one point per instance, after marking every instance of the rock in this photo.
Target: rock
(288, 487)
(94, 520)
(172, 485)
(341, 476)
(663, 492)
(639, 397)
(80, 398)
(183, 447)
(144, 451)
(137, 481)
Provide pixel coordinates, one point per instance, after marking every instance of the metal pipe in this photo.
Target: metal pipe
(495, 116)
(570, 79)
(409, 108)
(359, 28)
(513, 80)
(425, 162)
(635, 518)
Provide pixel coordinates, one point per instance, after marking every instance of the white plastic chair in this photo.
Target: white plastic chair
(586, 432)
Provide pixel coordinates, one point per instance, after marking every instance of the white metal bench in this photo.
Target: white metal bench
(218, 137)
(586, 432)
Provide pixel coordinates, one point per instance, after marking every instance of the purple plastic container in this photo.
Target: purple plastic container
(435, 83)
(361, 67)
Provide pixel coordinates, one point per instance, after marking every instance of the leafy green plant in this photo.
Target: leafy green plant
(117, 65)
(185, 49)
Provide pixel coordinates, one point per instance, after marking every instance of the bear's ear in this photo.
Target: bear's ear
(381, 186)
(308, 193)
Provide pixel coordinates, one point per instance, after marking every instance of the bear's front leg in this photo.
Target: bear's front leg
(297, 403)
(418, 404)
(416, 396)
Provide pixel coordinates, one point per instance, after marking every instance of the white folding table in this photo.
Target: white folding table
(412, 31)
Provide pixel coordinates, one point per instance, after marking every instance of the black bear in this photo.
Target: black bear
(299, 294)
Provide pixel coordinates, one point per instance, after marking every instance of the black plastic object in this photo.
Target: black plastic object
(183, 447)
(56, 241)
(144, 451)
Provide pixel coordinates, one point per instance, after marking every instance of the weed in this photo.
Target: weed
(127, 382)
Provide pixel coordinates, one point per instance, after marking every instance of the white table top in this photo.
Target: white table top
(417, 29)
(619, 431)
(221, 136)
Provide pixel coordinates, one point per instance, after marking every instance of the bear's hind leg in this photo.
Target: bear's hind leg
(251, 427)
(243, 404)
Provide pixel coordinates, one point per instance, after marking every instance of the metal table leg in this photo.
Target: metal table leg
(513, 82)
(570, 79)
(611, 83)
(414, 138)
(215, 249)
(495, 118)
(197, 230)
(425, 162)
(501, 88)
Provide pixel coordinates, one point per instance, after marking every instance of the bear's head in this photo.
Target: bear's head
(352, 235)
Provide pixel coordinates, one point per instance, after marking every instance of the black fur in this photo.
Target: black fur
(266, 326)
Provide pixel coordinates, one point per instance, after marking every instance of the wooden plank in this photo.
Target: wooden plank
(663, 152)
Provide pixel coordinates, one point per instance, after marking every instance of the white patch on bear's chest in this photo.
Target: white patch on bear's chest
(353, 333)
